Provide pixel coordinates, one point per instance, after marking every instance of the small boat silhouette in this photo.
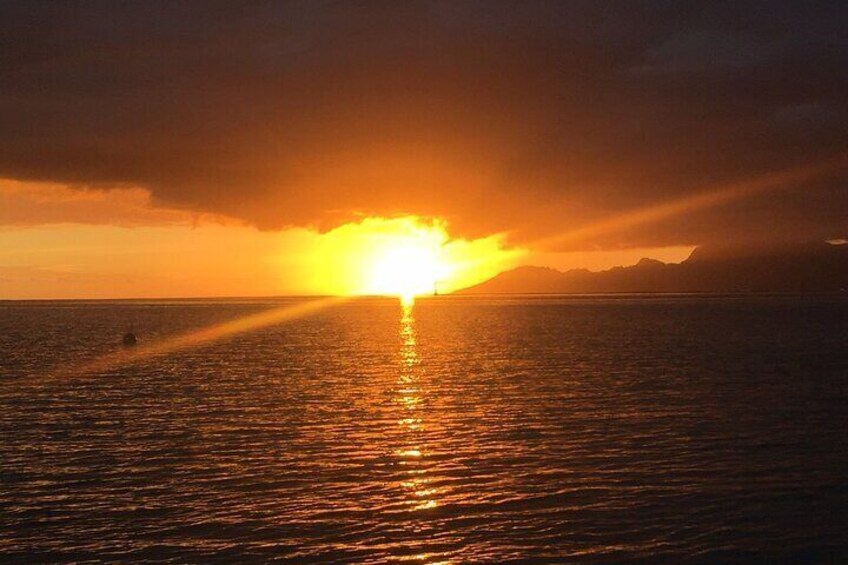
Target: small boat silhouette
(130, 339)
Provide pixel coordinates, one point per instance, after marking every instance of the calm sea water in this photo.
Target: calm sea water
(463, 430)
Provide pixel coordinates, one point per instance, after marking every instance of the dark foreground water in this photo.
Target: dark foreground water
(567, 430)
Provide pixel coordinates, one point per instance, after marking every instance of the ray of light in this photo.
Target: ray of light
(200, 336)
(715, 196)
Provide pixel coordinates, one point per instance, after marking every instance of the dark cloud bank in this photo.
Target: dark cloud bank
(525, 116)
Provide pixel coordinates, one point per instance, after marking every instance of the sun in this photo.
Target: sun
(402, 256)
(407, 265)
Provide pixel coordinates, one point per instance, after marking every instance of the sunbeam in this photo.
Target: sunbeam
(200, 336)
(715, 196)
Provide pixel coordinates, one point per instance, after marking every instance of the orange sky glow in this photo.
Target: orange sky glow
(60, 242)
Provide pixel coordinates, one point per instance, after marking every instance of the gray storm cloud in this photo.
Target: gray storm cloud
(527, 117)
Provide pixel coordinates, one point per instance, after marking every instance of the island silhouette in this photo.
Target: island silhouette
(792, 267)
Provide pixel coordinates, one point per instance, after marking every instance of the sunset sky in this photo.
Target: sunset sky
(223, 149)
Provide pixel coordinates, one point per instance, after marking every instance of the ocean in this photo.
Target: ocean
(572, 429)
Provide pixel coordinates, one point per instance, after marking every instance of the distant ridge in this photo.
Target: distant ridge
(804, 267)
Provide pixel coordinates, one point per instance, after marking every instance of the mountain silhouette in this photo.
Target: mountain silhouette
(799, 267)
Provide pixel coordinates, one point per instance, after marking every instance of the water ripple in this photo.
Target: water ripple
(580, 430)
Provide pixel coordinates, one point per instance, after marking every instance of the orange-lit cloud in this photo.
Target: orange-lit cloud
(26, 204)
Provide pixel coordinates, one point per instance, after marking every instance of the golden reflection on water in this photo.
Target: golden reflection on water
(409, 397)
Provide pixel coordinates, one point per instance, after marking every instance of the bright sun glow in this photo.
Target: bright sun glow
(408, 264)
(402, 256)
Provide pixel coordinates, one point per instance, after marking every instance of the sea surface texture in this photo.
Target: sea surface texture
(459, 430)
